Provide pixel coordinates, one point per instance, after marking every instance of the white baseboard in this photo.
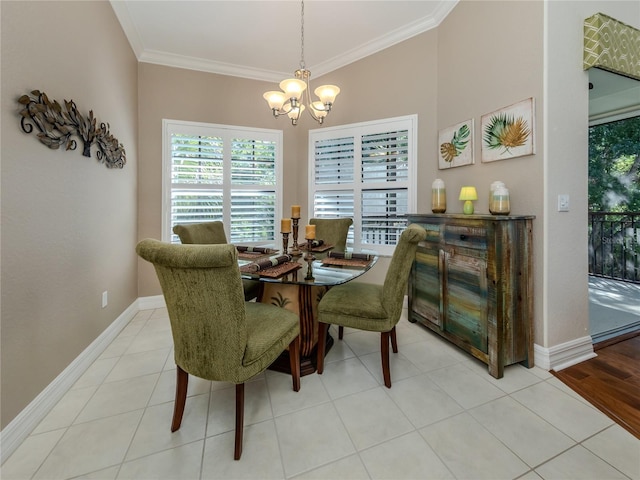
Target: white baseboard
(23, 424)
(564, 355)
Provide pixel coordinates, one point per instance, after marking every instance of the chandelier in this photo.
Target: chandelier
(295, 92)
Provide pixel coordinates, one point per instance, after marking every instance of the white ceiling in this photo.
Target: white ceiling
(612, 94)
(261, 39)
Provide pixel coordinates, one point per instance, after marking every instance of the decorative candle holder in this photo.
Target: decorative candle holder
(500, 204)
(492, 189)
(295, 250)
(309, 258)
(438, 197)
(285, 242)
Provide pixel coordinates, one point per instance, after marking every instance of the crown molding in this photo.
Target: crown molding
(128, 26)
(192, 63)
(203, 65)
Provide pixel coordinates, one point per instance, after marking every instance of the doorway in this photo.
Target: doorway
(614, 227)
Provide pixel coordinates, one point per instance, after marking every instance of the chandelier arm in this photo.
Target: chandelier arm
(282, 111)
(320, 120)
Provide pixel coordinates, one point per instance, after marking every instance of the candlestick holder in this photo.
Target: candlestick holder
(309, 258)
(285, 242)
(295, 250)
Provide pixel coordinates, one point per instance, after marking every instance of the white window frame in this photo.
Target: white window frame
(357, 131)
(226, 132)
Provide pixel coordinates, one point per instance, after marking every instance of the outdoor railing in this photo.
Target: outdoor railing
(614, 245)
(377, 234)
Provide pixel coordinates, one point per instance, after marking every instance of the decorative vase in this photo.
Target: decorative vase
(438, 197)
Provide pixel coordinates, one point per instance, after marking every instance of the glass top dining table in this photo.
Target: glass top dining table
(323, 274)
(300, 294)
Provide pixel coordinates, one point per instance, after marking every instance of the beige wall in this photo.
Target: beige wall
(68, 222)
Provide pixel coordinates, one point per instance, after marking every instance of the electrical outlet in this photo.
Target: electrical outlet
(563, 203)
(105, 295)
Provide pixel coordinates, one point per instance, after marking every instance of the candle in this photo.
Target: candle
(295, 211)
(500, 201)
(492, 189)
(438, 197)
(285, 225)
(310, 232)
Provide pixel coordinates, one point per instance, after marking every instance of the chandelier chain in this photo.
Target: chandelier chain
(302, 64)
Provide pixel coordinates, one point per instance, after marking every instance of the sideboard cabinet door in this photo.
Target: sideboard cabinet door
(465, 307)
(471, 282)
(425, 288)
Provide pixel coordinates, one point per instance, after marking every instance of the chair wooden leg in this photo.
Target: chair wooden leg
(239, 420)
(340, 332)
(384, 352)
(394, 340)
(294, 362)
(322, 340)
(182, 381)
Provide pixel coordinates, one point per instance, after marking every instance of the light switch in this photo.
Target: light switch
(563, 203)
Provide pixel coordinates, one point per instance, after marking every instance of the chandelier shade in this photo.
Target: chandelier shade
(327, 93)
(295, 94)
(293, 88)
(275, 99)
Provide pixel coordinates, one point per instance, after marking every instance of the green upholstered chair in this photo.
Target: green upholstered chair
(208, 233)
(202, 233)
(332, 231)
(375, 308)
(217, 335)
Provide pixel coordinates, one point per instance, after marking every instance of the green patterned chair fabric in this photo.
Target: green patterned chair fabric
(332, 231)
(209, 233)
(375, 308)
(217, 335)
(203, 233)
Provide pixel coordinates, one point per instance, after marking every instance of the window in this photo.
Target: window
(365, 171)
(219, 172)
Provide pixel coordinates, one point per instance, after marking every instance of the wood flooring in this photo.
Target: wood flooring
(611, 381)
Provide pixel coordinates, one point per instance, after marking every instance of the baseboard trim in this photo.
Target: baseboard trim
(28, 419)
(564, 355)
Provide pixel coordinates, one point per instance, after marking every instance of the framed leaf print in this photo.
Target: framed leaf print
(455, 145)
(508, 132)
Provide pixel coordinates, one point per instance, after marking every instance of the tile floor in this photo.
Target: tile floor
(443, 418)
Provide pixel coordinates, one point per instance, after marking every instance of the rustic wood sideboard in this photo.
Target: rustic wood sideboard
(472, 283)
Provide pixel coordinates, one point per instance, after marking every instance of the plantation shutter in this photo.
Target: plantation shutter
(253, 195)
(384, 161)
(363, 171)
(230, 176)
(334, 165)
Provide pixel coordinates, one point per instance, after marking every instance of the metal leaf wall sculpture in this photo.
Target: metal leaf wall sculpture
(58, 124)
